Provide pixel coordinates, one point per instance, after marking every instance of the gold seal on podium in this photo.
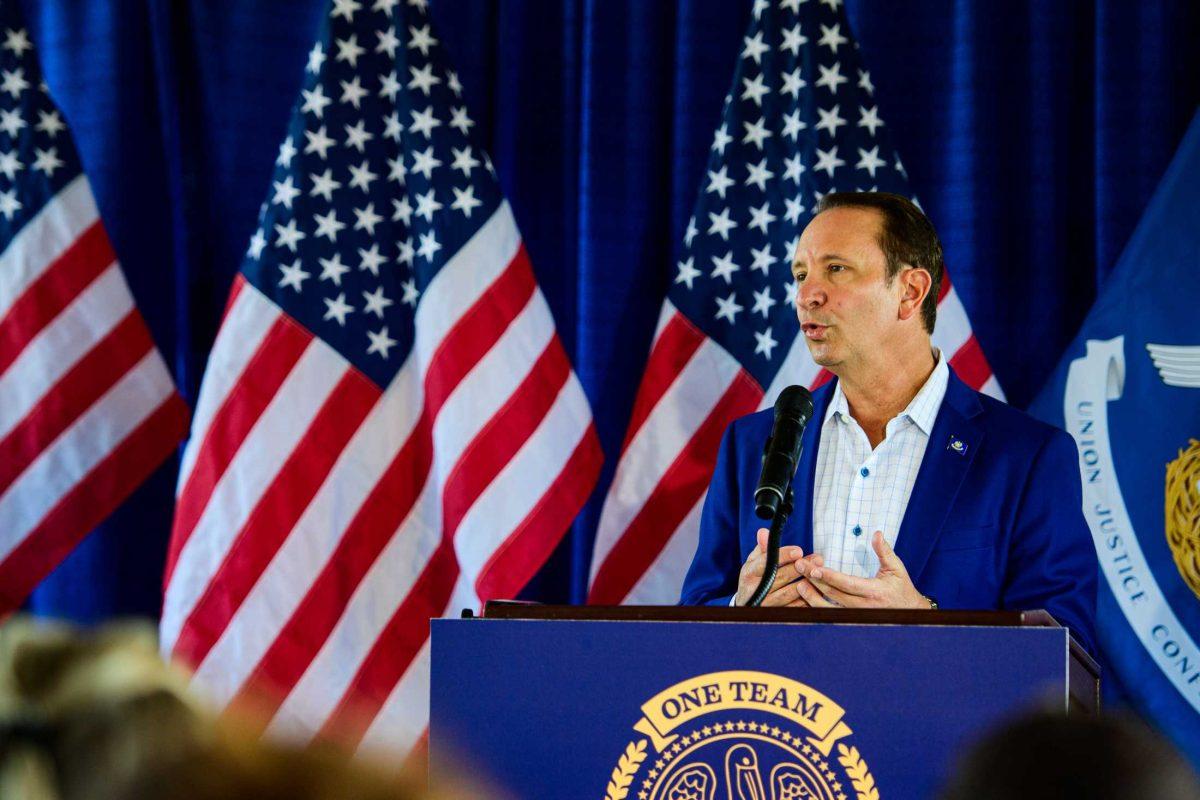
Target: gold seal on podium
(741, 735)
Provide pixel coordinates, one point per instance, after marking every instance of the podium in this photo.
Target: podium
(691, 703)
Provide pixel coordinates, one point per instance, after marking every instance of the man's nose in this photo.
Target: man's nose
(810, 294)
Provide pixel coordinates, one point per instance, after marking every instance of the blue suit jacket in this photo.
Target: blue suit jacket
(996, 524)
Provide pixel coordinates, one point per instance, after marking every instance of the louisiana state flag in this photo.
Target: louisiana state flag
(1128, 390)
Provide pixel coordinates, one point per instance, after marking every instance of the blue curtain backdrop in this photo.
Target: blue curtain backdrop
(1033, 133)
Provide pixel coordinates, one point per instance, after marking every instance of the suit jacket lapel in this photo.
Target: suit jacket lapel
(952, 446)
(804, 486)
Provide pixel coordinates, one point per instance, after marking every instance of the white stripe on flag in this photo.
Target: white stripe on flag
(952, 329)
(309, 546)
(266, 447)
(797, 368)
(665, 315)
(74, 454)
(238, 339)
(382, 590)
(464, 279)
(477, 398)
(405, 713)
(44, 238)
(664, 578)
(62, 344)
(688, 401)
(487, 387)
(522, 481)
(466, 411)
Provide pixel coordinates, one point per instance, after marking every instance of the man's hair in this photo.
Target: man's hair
(1050, 756)
(906, 237)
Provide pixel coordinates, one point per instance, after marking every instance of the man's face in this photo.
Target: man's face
(846, 307)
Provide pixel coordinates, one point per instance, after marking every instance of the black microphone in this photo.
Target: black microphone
(793, 410)
(773, 497)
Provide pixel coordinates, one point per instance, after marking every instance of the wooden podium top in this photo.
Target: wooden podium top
(511, 609)
(1085, 672)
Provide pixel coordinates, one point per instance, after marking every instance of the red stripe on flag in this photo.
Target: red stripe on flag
(394, 650)
(91, 500)
(265, 372)
(527, 548)
(317, 614)
(944, 288)
(235, 291)
(276, 513)
(407, 629)
(390, 501)
(676, 493)
(672, 350)
(87, 381)
(970, 364)
(46, 297)
(500, 439)
(823, 377)
(417, 760)
(478, 329)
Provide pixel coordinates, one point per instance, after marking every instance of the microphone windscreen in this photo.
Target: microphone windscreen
(795, 402)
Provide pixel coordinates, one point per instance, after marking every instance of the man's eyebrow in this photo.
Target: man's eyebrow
(825, 257)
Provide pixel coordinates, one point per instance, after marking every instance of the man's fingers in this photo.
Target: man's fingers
(836, 595)
(888, 560)
(757, 560)
(811, 595)
(860, 587)
(782, 595)
(762, 540)
(785, 575)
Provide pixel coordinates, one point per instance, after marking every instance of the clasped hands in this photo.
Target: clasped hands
(804, 581)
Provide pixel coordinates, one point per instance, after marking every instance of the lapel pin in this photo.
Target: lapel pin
(958, 445)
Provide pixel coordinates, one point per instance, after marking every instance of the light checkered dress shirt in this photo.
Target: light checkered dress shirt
(860, 490)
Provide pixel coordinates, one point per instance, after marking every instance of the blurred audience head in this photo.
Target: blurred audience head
(100, 716)
(1056, 756)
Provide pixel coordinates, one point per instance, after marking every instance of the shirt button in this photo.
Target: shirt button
(864, 472)
(857, 530)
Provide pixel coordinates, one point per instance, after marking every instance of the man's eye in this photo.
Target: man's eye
(836, 268)
(800, 276)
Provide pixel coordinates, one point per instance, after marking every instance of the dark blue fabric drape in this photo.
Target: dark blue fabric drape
(1033, 133)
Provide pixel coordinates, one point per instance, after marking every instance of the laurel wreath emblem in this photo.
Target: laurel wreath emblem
(860, 777)
(627, 767)
(1182, 514)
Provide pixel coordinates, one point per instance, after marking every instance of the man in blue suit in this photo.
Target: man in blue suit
(913, 490)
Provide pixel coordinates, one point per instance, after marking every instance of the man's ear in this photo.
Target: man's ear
(915, 284)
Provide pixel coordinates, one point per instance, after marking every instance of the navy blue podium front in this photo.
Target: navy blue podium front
(647, 704)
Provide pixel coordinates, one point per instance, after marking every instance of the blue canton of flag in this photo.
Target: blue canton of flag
(800, 122)
(44, 161)
(378, 183)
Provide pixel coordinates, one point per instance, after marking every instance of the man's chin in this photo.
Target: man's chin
(822, 354)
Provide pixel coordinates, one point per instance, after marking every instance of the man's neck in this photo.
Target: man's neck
(878, 392)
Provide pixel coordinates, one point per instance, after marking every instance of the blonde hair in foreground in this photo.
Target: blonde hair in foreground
(100, 716)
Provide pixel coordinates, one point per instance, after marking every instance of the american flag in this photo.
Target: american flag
(388, 429)
(800, 121)
(87, 407)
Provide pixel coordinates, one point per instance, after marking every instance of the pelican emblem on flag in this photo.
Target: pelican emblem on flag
(1180, 366)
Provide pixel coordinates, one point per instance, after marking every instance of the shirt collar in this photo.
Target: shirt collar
(922, 409)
